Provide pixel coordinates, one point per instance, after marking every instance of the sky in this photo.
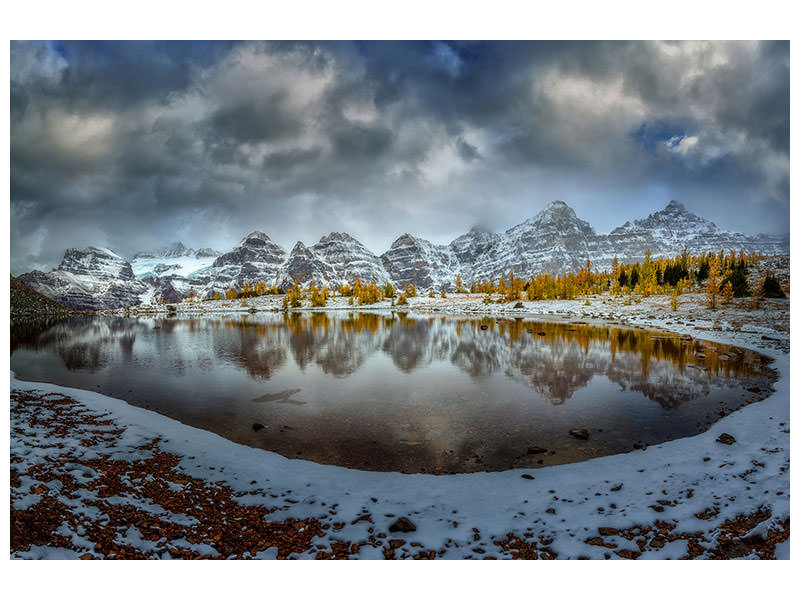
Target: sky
(135, 145)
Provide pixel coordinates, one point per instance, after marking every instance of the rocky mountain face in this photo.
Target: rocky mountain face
(90, 279)
(670, 230)
(414, 260)
(257, 258)
(304, 266)
(350, 259)
(554, 241)
(471, 246)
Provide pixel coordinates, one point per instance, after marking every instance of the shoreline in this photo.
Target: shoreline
(554, 512)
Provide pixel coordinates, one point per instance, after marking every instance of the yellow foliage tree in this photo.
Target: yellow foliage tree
(712, 283)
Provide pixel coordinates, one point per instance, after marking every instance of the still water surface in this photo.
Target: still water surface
(383, 391)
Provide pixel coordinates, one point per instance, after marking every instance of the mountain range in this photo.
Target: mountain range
(554, 241)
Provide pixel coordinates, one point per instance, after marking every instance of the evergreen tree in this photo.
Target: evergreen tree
(771, 288)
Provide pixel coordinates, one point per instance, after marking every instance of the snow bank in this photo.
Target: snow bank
(465, 514)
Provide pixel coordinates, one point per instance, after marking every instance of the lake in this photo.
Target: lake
(400, 392)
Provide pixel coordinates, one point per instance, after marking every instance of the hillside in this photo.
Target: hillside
(27, 302)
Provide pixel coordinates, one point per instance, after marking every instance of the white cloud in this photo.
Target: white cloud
(681, 144)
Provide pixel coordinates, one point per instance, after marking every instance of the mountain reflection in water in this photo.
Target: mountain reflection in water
(434, 394)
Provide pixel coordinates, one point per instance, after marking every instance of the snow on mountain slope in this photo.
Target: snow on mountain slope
(412, 260)
(350, 259)
(304, 266)
(257, 258)
(553, 241)
(185, 266)
(89, 279)
(469, 247)
(668, 231)
(175, 259)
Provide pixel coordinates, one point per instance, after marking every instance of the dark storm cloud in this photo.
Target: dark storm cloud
(134, 144)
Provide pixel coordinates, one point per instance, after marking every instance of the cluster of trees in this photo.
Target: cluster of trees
(721, 276)
(250, 291)
(544, 286)
(296, 294)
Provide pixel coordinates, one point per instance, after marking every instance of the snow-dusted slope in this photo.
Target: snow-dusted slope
(89, 279)
(304, 267)
(257, 258)
(469, 247)
(553, 241)
(670, 230)
(412, 260)
(350, 259)
(175, 259)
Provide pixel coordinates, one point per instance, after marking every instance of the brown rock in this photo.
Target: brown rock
(607, 531)
(595, 541)
(257, 426)
(726, 438)
(536, 450)
(581, 434)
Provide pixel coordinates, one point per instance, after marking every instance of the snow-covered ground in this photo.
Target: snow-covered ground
(161, 266)
(694, 497)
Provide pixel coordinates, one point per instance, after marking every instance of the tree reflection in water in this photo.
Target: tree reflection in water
(553, 359)
(392, 391)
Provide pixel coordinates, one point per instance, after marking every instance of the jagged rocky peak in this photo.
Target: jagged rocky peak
(300, 248)
(207, 252)
(256, 247)
(336, 236)
(559, 213)
(304, 266)
(96, 262)
(471, 245)
(418, 261)
(88, 279)
(404, 240)
(350, 258)
(671, 223)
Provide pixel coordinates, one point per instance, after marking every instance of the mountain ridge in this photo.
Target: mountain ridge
(554, 240)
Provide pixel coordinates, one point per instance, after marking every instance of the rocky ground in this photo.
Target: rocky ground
(92, 477)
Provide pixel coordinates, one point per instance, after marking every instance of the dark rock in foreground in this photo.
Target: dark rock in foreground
(581, 434)
(402, 525)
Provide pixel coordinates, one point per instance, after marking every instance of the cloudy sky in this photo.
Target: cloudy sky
(134, 145)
